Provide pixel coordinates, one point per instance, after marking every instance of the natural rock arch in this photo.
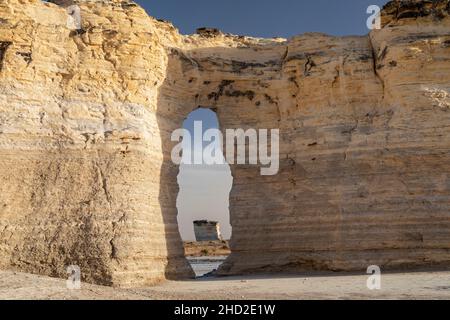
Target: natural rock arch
(85, 142)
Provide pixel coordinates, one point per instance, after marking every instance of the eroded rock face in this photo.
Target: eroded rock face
(86, 118)
(81, 152)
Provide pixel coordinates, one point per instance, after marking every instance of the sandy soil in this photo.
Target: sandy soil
(418, 285)
(206, 248)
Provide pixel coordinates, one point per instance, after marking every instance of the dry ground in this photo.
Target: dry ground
(206, 248)
(418, 285)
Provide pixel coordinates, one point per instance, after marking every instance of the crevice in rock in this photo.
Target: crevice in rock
(237, 93)
(336, 77)
(187, 62)
(270, 99)
(103, 183)
(284, 58)
(26, 56)
(308, 66)
(216, 95)
(375, 64)
(4, 45)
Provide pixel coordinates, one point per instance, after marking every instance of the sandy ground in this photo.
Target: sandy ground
(206, 248)
(418, 285)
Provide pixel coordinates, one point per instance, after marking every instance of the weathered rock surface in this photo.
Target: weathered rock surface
(86, 118)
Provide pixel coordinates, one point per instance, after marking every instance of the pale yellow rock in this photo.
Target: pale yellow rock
(86, 118)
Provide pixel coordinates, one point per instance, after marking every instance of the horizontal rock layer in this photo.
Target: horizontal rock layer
(86, 117)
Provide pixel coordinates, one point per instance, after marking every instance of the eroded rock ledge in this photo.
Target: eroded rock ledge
(86, 117)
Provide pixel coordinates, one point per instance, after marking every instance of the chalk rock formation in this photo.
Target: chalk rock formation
(86, 117)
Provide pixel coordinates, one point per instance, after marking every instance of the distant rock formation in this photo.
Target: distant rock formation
(86, 118)
(207, 230)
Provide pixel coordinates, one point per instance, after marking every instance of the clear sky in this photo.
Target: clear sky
(265, 18)
(204, 190)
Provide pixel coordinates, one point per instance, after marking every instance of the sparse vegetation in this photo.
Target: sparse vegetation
(206, 248)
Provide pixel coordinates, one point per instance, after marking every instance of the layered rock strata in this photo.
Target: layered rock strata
(86, 117)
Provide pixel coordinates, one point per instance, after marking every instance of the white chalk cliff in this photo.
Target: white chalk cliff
(86, 117)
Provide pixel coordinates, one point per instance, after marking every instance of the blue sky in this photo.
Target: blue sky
(265, 18)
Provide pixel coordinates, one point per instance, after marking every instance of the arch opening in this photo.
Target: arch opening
(203, 199)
